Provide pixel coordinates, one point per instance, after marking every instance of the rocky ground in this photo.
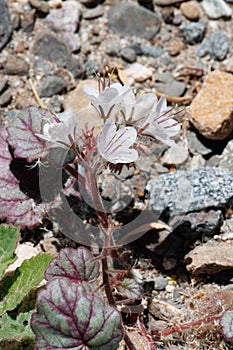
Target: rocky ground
(183, 49)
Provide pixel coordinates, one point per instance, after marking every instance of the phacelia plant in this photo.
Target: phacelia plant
(80, 306)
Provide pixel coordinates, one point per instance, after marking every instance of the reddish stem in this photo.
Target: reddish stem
(187, 325)
(145, 335)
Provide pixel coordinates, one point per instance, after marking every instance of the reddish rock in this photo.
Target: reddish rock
(211, 111)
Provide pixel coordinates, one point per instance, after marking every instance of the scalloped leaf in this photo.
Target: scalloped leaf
(15, 207)
(70, 318)
(16, 329)
(8, 240)
(129, 288)
(26, 277)
(227, 324)
(74, 264)
(22, 131)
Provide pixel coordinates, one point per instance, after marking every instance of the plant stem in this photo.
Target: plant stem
(129, 342)
(107, 286)
(145, 335)
(187, 325)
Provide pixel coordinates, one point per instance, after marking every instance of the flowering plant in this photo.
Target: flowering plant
(127, 120)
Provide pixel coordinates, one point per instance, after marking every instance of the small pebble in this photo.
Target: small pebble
(175, 47)
(160, 283)
(5, 98)
(192, 32)
(190, 10)
(52, 85)
(128, 54)
(41, 6)
(170, 288)
(138, 72)
(216, 45)
(96, 12)
(3, 83)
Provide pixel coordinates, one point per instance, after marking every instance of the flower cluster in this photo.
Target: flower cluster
(142, 115)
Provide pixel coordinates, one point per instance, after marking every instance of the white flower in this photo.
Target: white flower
(105, 100)
(115, 145)
(159, 124)
(61, 132)
(134, 109)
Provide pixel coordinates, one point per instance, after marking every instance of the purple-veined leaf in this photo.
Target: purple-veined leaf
(15, 207)
(129, 288)
(68, 317)
(227, 324)
(74, 264)
(22, 130)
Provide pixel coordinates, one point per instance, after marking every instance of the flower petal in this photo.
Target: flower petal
(114, 145)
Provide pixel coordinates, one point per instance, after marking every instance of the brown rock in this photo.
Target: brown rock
(79, 103)
(16, 66)
(190, 10)
(210, 258)
(175, 47)
(211, 111)
(5, 98)
(41, 6)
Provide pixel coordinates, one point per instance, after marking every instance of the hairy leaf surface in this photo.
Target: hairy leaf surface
(74, 264)
(22, 132)
(15, 207)
(70, 318)
(26, 277)
(8, 240)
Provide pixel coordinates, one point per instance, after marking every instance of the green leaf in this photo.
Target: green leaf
(16, 329)
(130, 288)
(8, 240)
(26, 277)
(68, 317)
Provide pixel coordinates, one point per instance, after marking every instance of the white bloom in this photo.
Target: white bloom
(159, 123)
(115, 145)
(136, 109)
(104, 101)
(61, 133)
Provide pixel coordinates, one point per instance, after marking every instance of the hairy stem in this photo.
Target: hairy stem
(187, 325)
(107, 286)
(97, 200)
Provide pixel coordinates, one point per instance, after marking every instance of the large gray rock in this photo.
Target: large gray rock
(188, 191)
(5, 24)
(65, 22)
(128, 19)
(50, 48)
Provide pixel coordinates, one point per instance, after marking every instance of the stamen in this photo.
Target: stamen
(170, 126)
